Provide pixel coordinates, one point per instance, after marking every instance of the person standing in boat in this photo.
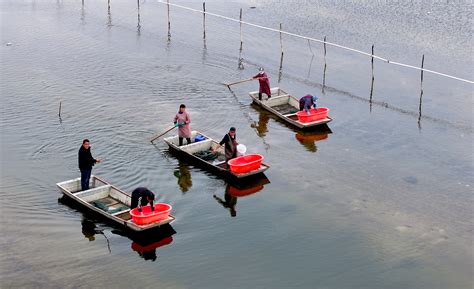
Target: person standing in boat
(264, 83)
(308, 101)
(182, 119)
(230, 144)
(143, 196)
(86, 161)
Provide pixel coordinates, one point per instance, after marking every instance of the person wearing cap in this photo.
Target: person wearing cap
(307, 101)
(182, 119)
(264, 83)
(143, 196)
(86, 162)
(230, 144)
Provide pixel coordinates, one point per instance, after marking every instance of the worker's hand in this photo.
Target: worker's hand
(98, 160)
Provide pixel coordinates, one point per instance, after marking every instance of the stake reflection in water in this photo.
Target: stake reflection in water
(109, 18)
(138, 18)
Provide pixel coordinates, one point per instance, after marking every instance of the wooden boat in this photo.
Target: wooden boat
(108, 201)
(191, 152)
(285, 107)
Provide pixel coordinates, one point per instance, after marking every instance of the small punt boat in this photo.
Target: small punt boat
(286, 106)
(201, 154)
(108, 201)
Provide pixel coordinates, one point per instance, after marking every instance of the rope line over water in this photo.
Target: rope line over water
(316, 40)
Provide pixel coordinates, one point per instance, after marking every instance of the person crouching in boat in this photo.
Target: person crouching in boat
(143, 196)
(230, 144)
(182, 119)
(264, 83)
(308, 101)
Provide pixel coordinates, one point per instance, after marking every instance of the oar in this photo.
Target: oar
(237, 82)
(154, 138)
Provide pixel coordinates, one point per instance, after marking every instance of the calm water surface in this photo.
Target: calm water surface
(376, 201)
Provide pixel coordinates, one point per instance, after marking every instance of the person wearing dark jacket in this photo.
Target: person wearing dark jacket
(86, 161)
(143, 196)
(230, 145)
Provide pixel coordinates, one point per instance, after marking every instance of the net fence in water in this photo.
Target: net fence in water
(323, 41)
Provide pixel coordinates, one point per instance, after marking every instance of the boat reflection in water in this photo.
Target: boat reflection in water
(236, 190)
(146, 247)
(144, 244)
(308, 139)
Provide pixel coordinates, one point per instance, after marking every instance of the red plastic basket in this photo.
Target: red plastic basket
(314, 114)
(245, 164)
(147, 216)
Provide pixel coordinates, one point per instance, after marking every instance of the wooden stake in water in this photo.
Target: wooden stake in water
(281, 58)
(169, 24)
(372, 83)
(108, 5)
(241, 42)
(59, 114)
(421, 87)
(324, 47)
(325, 66)
(204, 21)
(241, 60)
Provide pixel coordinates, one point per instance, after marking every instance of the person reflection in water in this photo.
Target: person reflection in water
(261, 125)
(89, 230)
(184, 177)
(229, 202)
(148, 255)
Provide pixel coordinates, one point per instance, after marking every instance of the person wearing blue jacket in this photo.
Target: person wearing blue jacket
(308, 101)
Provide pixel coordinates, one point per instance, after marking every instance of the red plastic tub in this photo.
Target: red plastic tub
(245, 164)
(147, 216)
(315, 114)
